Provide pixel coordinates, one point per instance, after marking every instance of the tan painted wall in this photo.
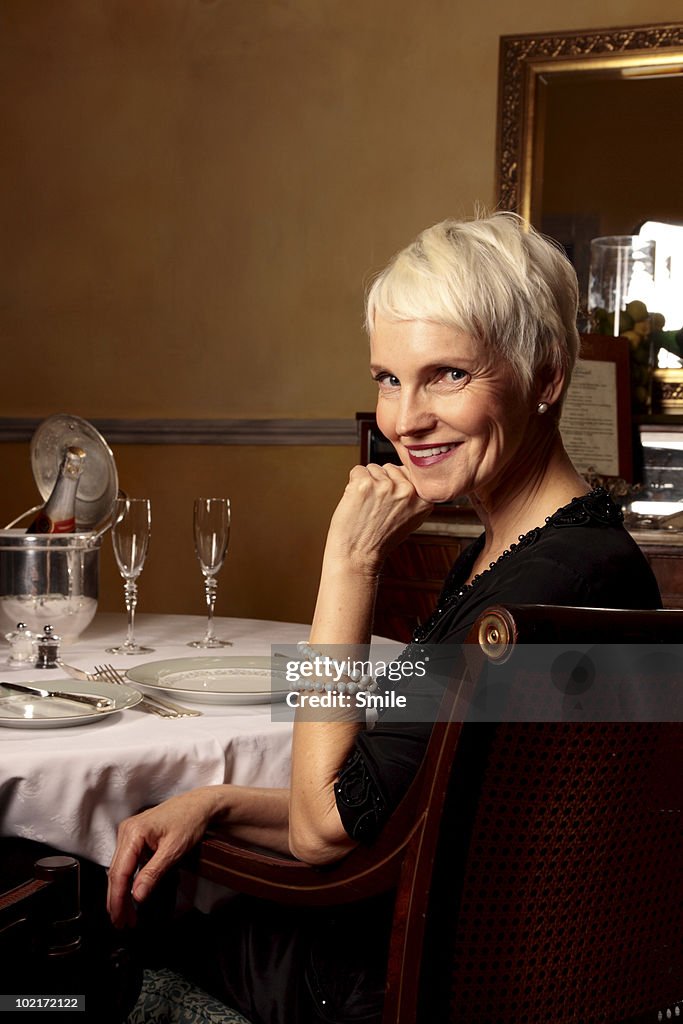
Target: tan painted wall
(193, 194)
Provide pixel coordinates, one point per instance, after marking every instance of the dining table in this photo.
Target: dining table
(70, 786)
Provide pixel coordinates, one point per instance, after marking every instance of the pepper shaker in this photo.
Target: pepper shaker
(48, 649)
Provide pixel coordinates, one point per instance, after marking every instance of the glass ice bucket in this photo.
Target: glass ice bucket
(49, 579)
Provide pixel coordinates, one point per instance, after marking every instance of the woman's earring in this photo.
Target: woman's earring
(541, 408)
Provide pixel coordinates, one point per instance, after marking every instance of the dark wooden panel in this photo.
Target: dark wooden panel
(414, 573)
(667, 565)
(224, 432)
(411, 582)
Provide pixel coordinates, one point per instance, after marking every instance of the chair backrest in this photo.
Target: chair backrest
(551, 887)
(537, 866)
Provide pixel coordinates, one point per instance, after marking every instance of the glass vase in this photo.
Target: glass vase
(620, 294)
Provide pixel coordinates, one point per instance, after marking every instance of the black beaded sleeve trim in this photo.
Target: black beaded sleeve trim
(596, 507)
(362, 808)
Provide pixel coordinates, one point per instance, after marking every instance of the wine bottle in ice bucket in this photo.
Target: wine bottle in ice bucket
(58, 514)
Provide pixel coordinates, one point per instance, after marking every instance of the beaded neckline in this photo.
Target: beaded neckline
(596, 506)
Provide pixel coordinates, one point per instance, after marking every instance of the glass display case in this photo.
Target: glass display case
(663, 463)
(658, 503)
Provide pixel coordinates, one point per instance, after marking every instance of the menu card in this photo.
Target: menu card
(589, 424)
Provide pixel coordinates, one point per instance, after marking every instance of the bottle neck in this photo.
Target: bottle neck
(58, 515)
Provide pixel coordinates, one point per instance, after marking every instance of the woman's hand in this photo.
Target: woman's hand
(169, 831)
(379, 508)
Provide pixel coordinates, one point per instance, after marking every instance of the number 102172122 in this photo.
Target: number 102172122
(19, 1003)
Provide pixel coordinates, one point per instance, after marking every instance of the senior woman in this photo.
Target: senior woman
(472, 343)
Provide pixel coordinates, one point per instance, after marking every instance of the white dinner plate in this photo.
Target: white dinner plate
(23, 711)
(218, 679)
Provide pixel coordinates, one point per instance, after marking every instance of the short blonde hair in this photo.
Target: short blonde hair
(507, 286)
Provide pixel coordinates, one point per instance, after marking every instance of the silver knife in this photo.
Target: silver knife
(98, 703)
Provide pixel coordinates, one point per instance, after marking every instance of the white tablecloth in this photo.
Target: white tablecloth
(70, 787)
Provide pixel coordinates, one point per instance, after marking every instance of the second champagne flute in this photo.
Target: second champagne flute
(211, 535)
(130, 539)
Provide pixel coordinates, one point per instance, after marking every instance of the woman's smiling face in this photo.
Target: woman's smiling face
(456, 419)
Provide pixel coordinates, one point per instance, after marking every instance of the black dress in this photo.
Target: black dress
(278, 967)
(582, 556)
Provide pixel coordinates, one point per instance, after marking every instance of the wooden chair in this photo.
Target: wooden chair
(40, 919)
(46, 949)
(537, 867)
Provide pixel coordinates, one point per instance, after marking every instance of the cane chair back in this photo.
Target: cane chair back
(537, 866)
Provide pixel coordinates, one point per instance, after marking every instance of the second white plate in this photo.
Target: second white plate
(218, 679)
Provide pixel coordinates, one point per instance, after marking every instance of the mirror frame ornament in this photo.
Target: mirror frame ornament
(524, 62)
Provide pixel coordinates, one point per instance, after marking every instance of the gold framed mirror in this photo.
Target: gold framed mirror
(590, 131)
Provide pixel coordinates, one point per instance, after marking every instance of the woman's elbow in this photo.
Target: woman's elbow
(319, 844)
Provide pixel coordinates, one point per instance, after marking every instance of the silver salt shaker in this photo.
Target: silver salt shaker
(21, 644)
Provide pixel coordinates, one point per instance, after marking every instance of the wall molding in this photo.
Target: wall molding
(220, 432)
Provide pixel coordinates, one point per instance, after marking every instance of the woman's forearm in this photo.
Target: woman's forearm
(172, 828)
(345, 605)
(255, 815)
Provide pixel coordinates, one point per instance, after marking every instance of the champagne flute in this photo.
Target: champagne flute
(130, 539)
(211, 535)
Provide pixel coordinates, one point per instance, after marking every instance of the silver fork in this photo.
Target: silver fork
(172, 710)
(142, 705)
